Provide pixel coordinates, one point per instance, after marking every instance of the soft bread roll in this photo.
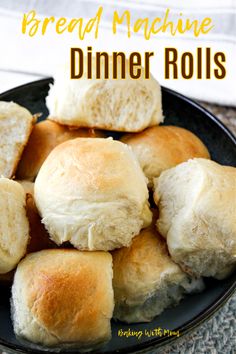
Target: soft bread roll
(146, 280)
(92, 193)
(14, 225)
(162, 147)
(16, 124)
(63, 297)
(121, 105)
(197, 205)
(44, 137)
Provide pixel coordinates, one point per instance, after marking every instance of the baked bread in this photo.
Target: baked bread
(196, 201)
(16, 123)
(14, 225)
(105, 103)
(162, 147)
(63, 297)
(44, 137)
(92, 193)
(39, 237)
(146, 280)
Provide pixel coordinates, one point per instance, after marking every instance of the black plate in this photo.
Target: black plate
(194, 309)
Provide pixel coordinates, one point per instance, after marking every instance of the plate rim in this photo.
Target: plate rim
(188, 326)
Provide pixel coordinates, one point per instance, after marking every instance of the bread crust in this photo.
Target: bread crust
(146, 280)
(105, 103)
(161, 147)
(16, 124)
(14, 225)
(45, 136)
(60, 297)
(92, 193)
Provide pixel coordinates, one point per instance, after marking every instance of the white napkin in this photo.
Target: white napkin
(24, 59)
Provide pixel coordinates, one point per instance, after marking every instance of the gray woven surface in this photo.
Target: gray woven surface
(216, 336)
(227, 115)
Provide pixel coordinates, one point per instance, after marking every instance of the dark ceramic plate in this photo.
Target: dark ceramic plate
(194, 309)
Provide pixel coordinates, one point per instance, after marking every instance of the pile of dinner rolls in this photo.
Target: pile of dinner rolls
(79, 238)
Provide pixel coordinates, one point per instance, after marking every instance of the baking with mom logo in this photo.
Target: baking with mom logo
(156, 332)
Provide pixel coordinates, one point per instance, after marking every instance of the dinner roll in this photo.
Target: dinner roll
(15, 127)
(121, 105)
(92, 193)
(63, 297)
(161, 147)
(197, 204)
(146, 280)
(14, 225)
(44, 137)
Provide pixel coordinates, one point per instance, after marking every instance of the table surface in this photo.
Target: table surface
(217, 335)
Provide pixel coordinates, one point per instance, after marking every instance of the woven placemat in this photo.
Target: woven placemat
(216, 336)
(226, 115)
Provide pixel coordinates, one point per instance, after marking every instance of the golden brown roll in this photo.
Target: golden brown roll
(63, 297)
(14, 225)
(162, 147)
(16, 123)
(44, 137)
(197, 205)
(146, 280)
(92, 193)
